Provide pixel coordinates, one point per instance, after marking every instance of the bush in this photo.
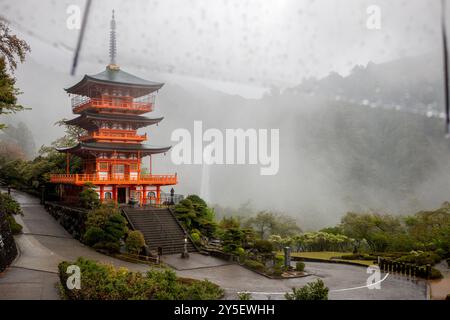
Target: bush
(254, 265)
(93, 235)
(15, 227)
(435, 274)
(300, 266)
(104, 282)
(196, 237)
(240, 251)
(8, 205)
(312, 291)
(420, 258)
(89, 198)
(263, 246)
(105, 228)
(111, 247)
(277, 271)
(134, 242)
(244, 296)
(97, 217)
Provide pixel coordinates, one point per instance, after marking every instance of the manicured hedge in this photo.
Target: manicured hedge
(104, 282)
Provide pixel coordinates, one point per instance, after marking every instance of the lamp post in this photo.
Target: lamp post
(185, 254)
(172, 192)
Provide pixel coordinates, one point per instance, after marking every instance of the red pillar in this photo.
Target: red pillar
(144, 194)
(115, 193)
(101, 193)
(141, 196)
(158, 194)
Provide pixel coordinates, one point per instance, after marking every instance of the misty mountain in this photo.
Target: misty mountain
(335, 155)
(413, 83)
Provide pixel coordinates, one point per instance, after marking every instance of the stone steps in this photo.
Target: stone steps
(160, 229)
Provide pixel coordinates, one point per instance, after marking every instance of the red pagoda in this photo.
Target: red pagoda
(110, 105)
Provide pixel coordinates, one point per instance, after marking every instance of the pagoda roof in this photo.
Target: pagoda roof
(86, 147)
(116, 78)
(87, 119)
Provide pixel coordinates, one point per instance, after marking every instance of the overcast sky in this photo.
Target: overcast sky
(254, 42)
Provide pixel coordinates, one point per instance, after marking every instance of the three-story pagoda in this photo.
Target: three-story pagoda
(110, 105)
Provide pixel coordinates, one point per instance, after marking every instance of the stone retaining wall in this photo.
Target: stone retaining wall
(72, 219)
(8, 249)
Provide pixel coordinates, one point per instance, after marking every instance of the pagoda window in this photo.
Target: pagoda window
(103, 166)
(133, 167)
(119, 168)
(108, 195)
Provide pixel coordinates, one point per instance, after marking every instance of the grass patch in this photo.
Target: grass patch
(328, 256)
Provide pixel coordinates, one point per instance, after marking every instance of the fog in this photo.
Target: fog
(368, 134)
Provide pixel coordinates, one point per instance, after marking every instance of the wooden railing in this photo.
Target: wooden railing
(122, 135)
(96, 179)
(81, 104)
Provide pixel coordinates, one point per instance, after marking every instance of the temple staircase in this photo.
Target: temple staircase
(160, 229)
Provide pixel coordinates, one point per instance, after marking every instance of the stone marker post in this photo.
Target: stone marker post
(287, 257)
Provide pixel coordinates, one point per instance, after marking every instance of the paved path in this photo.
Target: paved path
(44, 244)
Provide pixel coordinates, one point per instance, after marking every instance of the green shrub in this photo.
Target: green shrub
(254, 265)
(244, 296)
(435, 274)
(240, 251)
(277, 271)
(115, 228)
(312, 291)
(88, 197)
(104, 282)
(105, 228)
(99, 216)
(300, 266)
(111, 247)
(135, 241)
(94, 235)
(15, 227)
(279, 261)
(420, 258)
(195, 237)
(8, 205)
(263, 246)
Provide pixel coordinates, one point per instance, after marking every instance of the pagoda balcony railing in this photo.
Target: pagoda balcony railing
(81, 103)
(111, 134)
(97, 179)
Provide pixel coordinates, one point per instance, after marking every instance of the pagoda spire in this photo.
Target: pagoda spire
(112, 45)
